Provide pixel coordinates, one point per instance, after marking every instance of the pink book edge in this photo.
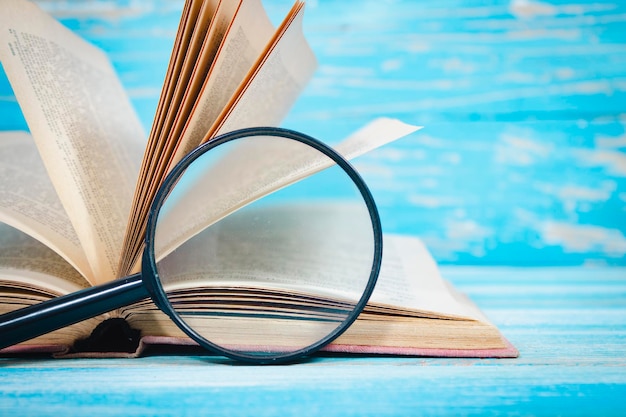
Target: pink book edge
(507, 352)
(60, 351)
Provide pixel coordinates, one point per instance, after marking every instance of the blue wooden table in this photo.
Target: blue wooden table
(517, 185)
(568, 323)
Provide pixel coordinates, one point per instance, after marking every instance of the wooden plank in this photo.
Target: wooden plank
(573, 356)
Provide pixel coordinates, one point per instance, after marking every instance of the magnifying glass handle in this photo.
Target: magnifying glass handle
(30, 322)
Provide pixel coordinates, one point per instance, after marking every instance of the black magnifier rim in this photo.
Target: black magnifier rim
(151, 277)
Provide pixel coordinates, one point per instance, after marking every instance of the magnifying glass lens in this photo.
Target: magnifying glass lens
(264, 247)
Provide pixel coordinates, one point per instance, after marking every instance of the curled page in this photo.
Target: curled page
(250, 172)
(29, 203)
(243, 43)
(274, 83)
(29, 264)
(87, 133)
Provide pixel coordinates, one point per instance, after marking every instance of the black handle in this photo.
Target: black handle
(30, 322)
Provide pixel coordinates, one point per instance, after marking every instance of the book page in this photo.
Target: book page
(252, 169)
(247, 37)
(373, 135)
(203, 43)
(320, 250)
(202, 72)
(409, 279)
(195, 12)
(275, 83)
(87, 133)
(29, 202)
(194, 70)
(27, 263)
(307, 247)
(239, 32)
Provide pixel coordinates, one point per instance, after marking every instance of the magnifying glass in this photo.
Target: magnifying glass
(262, 245)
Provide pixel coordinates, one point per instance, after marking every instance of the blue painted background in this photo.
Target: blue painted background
(523, 158)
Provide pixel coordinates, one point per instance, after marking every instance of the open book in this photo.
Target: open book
(75, 193)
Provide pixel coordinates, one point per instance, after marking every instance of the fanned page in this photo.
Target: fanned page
(86, 131)
(238, 34)
(29, 202)
(275, 81)
(192, 33)
(244, 43)
(254, 170)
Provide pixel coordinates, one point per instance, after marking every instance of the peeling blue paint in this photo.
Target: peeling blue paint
(523, 158)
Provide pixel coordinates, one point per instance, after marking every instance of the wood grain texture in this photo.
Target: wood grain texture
(568, 323)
